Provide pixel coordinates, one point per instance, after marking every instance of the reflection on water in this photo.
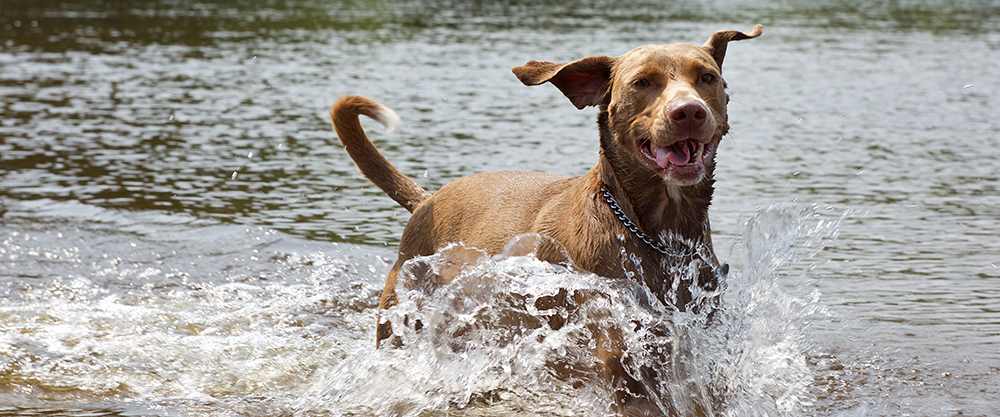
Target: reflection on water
(180, 231)
(97, 25)
(216, 109)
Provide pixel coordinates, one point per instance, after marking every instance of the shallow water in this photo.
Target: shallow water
(182, 234)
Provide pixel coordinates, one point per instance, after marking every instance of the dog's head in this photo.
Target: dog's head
(666, 104)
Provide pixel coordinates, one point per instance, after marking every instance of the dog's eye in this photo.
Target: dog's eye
(708, 78)
(641, 83)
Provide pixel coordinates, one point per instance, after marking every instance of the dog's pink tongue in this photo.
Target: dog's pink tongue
(678, 154)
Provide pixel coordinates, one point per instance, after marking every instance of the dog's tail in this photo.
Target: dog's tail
(369, 160)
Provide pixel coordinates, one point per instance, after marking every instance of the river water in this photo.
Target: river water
(182, 234)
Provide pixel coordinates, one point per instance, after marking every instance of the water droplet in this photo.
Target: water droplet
(250, 155)
(171, 117)
(967, 86)
(425, 173)
(234, 175)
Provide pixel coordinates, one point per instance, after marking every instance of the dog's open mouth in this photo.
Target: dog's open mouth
(684, 154)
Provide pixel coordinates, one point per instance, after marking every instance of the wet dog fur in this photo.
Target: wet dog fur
(662, 114)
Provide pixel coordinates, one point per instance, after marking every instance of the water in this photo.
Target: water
(181, 233)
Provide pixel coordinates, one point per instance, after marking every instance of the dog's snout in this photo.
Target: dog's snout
(688, 114)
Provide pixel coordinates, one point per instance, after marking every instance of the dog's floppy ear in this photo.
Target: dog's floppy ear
(585, 82)
(716, 45)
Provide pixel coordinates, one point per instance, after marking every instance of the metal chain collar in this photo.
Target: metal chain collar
(629, 225)
(720, 272)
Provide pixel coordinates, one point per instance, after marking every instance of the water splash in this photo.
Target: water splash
(238, 321)
(226, 318)
(513, 334)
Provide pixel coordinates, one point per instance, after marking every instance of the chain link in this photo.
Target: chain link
(721, 271)
(628, 223)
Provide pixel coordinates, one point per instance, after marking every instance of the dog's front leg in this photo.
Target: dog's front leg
(630, 396)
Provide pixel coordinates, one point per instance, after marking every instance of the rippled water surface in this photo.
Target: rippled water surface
(182, 234)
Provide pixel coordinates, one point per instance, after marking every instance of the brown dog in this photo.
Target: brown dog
(640, 213)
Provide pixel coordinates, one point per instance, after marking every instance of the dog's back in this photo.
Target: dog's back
(485, 210)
